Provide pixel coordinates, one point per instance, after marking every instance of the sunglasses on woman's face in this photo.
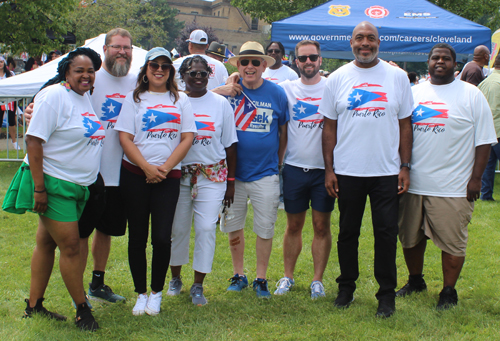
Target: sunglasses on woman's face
(312, 58)
(202, 74)
(155, 66)
(245, 62)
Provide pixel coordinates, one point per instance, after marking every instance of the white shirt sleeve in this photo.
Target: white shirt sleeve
(126, 120)
(45, 119)
(484, 132)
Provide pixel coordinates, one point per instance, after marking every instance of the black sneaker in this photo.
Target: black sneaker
(412, 286)
(386, 307)
(448, 298)
(344, 299)
(84, 318)
(40, 309)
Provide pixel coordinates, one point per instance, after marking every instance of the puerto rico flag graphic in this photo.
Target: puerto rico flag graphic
(111, 107)
(426, 112)
(244, 113)
(158, 118)
(307, 112)
(203, 127)
(93, 127)
(366, 96)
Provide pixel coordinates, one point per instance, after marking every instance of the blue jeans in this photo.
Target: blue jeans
(488, 179)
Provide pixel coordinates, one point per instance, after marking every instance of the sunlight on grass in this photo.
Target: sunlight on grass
(241, 316)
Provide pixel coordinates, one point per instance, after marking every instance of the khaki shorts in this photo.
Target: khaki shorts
(264, 195)
(443, 220)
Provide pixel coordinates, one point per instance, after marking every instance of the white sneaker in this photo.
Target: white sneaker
(16, 146)
(142, 300)
(317, 290)
(154, 303)
(284, 285)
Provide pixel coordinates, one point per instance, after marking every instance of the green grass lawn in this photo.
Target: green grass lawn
(241, 316)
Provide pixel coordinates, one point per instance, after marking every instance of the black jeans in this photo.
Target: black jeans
(384, 206)
(141, 201)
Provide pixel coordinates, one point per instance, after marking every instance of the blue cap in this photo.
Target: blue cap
(156, 52)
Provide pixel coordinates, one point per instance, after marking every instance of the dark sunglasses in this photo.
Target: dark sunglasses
(245, 62)
(312, 58)
(155, 66)
(202, 74)
(273, 51)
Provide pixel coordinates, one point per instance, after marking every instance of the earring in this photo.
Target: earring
(145, 79)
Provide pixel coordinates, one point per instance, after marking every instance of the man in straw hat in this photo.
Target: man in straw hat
(261, 115)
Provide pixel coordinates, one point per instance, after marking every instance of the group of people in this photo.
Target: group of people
(172, 156)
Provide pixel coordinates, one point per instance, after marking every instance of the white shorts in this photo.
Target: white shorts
(264, 195)
(205, 208)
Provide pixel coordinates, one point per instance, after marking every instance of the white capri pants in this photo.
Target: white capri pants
(205, 207)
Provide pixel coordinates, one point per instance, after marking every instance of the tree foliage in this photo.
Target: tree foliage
(151, 23)
(182, 44)
(25, 24)
(484, 12)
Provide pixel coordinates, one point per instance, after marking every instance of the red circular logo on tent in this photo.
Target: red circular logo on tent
(377, 12)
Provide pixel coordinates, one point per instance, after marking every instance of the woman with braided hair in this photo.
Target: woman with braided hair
(64, 143)
(209, 165)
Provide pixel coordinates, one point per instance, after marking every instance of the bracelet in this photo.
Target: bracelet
(231, 179)
(42, 191)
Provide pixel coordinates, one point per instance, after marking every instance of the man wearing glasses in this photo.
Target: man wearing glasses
(261, 115)
(104, 211)
(304, 171)
(367, 141)
(278, 72)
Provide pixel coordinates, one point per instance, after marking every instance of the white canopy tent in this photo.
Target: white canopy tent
(27, 84)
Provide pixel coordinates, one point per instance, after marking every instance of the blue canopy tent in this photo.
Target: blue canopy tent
(407, 28)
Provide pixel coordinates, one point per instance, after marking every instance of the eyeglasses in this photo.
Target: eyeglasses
(270, 51)
(119, 48)
(155, 66)
(245, 62)
(202, 74)
(312, 58)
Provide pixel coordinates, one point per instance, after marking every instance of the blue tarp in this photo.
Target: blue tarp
(407, 28)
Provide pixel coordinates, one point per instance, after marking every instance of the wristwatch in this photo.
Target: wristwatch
(405, 165)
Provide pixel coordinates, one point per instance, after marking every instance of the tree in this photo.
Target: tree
(25, 24)
(484, 12)
(150, 22)
(182, 44)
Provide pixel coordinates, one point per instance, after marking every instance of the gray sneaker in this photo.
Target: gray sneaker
(196, 293)
(174, 286)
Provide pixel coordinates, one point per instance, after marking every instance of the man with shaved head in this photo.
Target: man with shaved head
(367, 141)
(473, 71)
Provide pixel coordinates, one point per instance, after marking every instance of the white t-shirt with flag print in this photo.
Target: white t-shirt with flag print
(156, 123)
(73, 135)
(107, 98)
(367, 104)
(216, 131)
(305, 126)
(449, 122)
(217, 77)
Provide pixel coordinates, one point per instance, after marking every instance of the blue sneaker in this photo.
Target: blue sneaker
(238, 283)
(284, 285)
(317, 290)
(260, 288)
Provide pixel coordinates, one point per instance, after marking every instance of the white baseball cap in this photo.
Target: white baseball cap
(198, 37)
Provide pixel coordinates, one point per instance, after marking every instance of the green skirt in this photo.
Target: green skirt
(20, 195)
